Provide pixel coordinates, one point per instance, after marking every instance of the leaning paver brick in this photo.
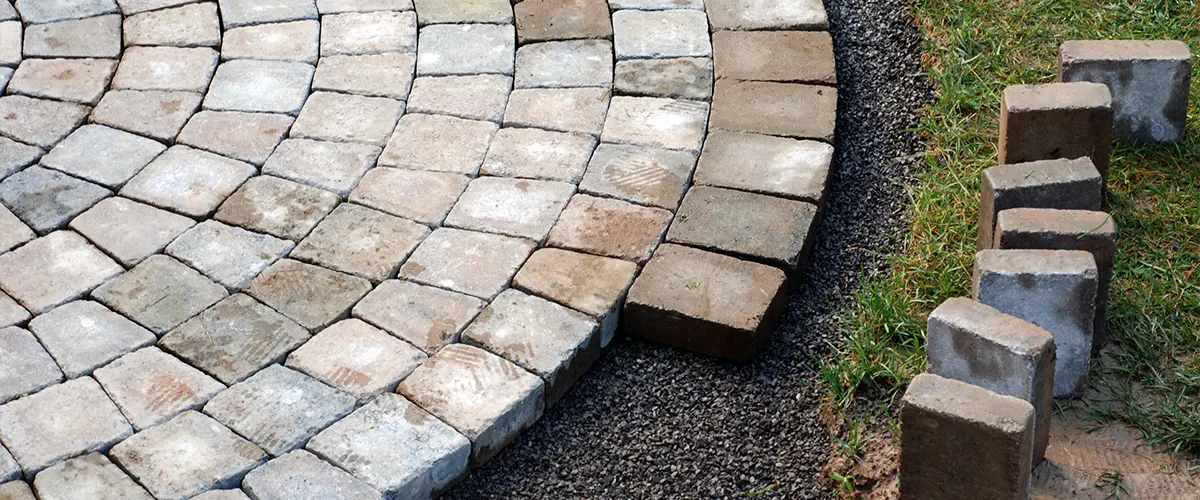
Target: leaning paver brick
(478, 264)
(427, 317)
(359, 33)
(1056, 120)
(541, 20)
(130, 231)
(188, 181)
(466, 49)
(786, 109)
(331, 166)
(84, 335)
(374, 75)
(300, 474)
(338, 117)
(676, 78)
(159, 293)
(230, 255)
(643, 175)
(474, 97)
(361, 241)
(357, 358)
(655, 122)
(639, 34)
(313, 296)
(89, 476)
(153, 113)
(961, 441)
(73, 80)
(764, 164)
(166, 68)
(778, 56)
(53, 270)
(92, 37)
(1063, 184)
(766, 14)
(39, 122)
(438, 143)
(194, 25)
(46, 199)
(573, 63)
(242, 12)
(608, 227)
(248, 137)
(259, 86)
(563, 110)
(588, 283)
(296, 41)
(102, 155)
(1054, 289)
(150, 386)
(538, 154)
(26, 367)
(512, 207)
(458, 11)
(705, 302)
(425, 197)
(974, 343)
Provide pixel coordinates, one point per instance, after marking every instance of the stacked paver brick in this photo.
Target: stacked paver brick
(1043, 273)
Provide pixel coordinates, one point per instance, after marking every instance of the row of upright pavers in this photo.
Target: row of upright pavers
(1043, 272)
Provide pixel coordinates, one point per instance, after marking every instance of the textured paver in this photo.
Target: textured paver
(300, 474)
(465, 49)
(358, 33)
(609, 227)
(361, 241)
(11, 313)
(103, 155)
(425, 197)
(475, 97)
(1063, 184)
(15, 156)
(262, 86)
(130, 231)
(357, 358)
(576, 63)
(649, 176)
(194, 25)
(780, 56)
(16, 490)
(188, 181)
(46, 199)
(347, 118)
(427, 317)
(39, 122)
(159, 293)
(538, 154)
(764, 164)
(1056, 120)
(278, 207)
(241, 12)
(376, 75)
(640, 34)
(313, 296)
(73, 80)
(295, 41)
(676, 78)
(765, 14)
(54, 269)
(664, 123)
(84, 335)
(332, 166)
(154, 113)
(89, 476)
(513, 207)
(539, 20)
(27, 368)
(785, 109)
(458, 11)
(91, 37)
(249, 137)
(45, 11)
(438, 143)
(150, 386)
(564, 110)
(230, 255)
(588, 283)
(478, 264)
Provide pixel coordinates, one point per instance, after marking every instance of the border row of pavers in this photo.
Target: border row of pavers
(978, 421)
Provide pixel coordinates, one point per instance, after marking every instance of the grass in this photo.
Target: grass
(973, 50)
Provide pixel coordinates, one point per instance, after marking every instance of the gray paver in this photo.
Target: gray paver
(157, 114)
(1056, 120)
(1063, 184)
(87, 477)
(45, 11)
(611, 228)
(513, 207)
(675, 78)
(564, 110)
(785, 109)
(540, 20)
(396, 447)
(357, 358)
(73, 80)
(259, 86)
(466, 49)
(313, 296)
(234, 338)
(765, 164)
(11, 36)
(650, 121)
(333, 166)
(656, 4)
(376, 75)
(337, 6)
(103, 155)
(425, 197)
(279, 409)
(46, 199)
(300, 474)
(27, 367)
(538, 154)
(575, 63)
(16, 490)
(766, 14)
(478, 264)
(296, 41)
(9, 470)
(38, 122)
(588, 283)
(14, 156)
(129, 231)
(348, 118)
(188, 181)
(242, 12)
(476, 97)
(438, 143)
(166, 68)
(13, 232)
(11, 313)
(357, 33)
(361, 241)
(277, 207)
(249, 137)
(230, 255)
(660, 34)
(130, 7)
(54, 269)
(60, 422)
(91, 37)
(458, 11)
(222, 495)
(215, 457)
(150, 386)
(427, 317)
(194, 25)
(84, 335)
(159, 293)
(506, 400)
(650, 176)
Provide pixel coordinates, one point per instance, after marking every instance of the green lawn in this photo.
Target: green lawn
(973, 50)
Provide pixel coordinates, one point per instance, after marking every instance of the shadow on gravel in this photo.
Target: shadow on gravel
(653, 422)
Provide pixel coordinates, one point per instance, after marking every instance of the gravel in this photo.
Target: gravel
(654, 422)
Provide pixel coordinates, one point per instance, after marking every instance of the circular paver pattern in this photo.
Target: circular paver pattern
(354, 247)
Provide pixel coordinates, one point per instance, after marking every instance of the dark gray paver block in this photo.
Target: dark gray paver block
(676, 78)
(15, 156)
(160, 293)
(84, 335)
(150, 386)
(1056, 120)
(46, 199)
(1064, 184)
(9, 470)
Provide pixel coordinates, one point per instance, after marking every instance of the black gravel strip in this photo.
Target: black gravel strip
(654, 422)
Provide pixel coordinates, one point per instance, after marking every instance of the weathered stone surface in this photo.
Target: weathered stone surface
(466, 49)
(84, 335)
(538, 154)
(361, 241)
(46, 11)
(992, 437)
(102, 155)
(705, 302)
(187, 455)
(655, 122)
(73, 80)
(60, 422)
(91, 37)
(438, 143)
(609, 227)
(26, 367)
(261, 86)
(357, 358)
(277, 207)
(429, 318)
(16, 490)
(660, 34)
(478, 264)
(159, 293)
(9, 470)
(54, 269)
(507, 398)
(46, 199)
(333, 166)
(650, 176)
(11, 313)
(375, 75)
(773, 230)
(279, 409)
(551, 341)
(242, 12)
(194, 25)
(300, 474)
(87, 477)
(786, 109)
(1056, 120)
(564, 110)
(130, 7)
(358, 33)
(396, 447)
(336, 6)
(576, 63)
(588, 283)
(313, 296)
(475, 97)
(234, 339)
(1149, 80)
(1063, 184)
(38, 122)
(188, 181)
(130, 231)
(230, 255)
(1053, 289)
(973, 343)
(540, 20)
(513, 207)
(150, 386)
(459, 11)
(12, 35)
(296, 41)
(154, 113)
(764, 164)
(249, 137)
(425, 197)
(348, 118)
(780, 56)
(14, 156)
(766, 14)
(675, 78)
(1046, 229)
(13, 232)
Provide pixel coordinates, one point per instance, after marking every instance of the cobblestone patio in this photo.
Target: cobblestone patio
(352, 248)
